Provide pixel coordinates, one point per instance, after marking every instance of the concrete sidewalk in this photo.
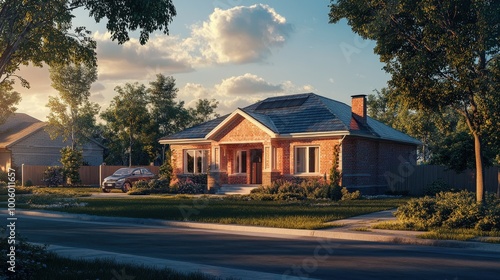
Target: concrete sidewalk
(355, 228)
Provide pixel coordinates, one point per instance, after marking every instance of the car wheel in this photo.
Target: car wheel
(126, 187)
(106, 190)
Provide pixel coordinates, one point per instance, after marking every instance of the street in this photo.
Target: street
(300, 257)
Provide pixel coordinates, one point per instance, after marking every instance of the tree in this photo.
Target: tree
(204, 110)
(8, 100)
(72, 115)
(129, 124)
(441, 54)
(71, 160)
(40, 31)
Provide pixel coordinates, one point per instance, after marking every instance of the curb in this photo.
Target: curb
(396, 237)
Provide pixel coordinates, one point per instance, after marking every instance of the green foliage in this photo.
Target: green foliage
(29, 258)
(40, 31)
(72, 115)
(302, 189)
(441, 55)
(9, 99)
(335, 175)
(450, 210)
(166, 170)
(28, 183)
(53, 176)
(71, 160)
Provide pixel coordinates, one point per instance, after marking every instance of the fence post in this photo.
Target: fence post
(100, 174)
(22, 175)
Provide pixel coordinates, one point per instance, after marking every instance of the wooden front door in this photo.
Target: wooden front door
(256, 166)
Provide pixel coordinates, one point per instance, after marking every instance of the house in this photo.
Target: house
(292, 136)
(23, 140)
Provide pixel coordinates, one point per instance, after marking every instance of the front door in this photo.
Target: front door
(256, 166)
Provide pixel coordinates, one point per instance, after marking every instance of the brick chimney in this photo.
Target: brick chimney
(358, 107)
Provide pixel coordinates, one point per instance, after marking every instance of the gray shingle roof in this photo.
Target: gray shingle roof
(303, 113)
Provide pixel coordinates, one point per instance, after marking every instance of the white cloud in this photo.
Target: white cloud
(247, 84)
(240, 34)
(162, 54)
(238, 91)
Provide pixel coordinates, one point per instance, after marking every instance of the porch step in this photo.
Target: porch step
(236, 189)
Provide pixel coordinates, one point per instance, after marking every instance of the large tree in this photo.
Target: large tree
(129, 127)
(72, 115)
(41, 31)
(441, 54)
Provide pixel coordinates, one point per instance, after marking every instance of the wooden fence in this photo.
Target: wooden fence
(415, 179)
(90, 175)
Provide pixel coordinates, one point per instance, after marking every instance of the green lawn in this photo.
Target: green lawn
(212, 209)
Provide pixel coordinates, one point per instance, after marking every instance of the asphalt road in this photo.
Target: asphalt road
(303, 257)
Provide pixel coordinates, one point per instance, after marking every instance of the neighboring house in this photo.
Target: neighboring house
(23, 140)
(293, 136)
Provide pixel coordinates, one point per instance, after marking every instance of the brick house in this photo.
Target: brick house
(292, 136)
(23, 140)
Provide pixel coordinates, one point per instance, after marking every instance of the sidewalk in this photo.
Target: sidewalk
(354, 228)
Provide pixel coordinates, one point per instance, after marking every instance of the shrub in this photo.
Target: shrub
(71, 160)
(450, 210)
(28, 183)
(53, 176)
(298, 189)
(29, 258)
(346, 195)
(166, 170)
(188, 186)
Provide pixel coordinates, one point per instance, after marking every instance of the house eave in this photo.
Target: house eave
(313, 134)
(185, 141)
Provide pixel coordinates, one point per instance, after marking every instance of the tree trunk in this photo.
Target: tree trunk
(479, 168)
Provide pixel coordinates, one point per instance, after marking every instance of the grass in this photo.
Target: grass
(56, 267)
(462, 235)
(212, 209)
(446, 234)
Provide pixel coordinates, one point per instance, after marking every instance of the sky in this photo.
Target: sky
(237, 52)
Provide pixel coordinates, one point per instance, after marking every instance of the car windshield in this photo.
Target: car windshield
(123, 171)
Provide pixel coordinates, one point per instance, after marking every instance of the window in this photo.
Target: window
(307, 160)
(240, 162)
(196, 161)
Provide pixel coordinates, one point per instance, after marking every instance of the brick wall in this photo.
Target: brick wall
(241, 130)
(364, 161)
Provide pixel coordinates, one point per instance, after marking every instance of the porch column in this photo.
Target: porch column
(267, 171)
(213, 176)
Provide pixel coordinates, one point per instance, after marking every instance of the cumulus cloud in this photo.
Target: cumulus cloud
(247, 84)
(240, 34)
(238, 91)
(132, 60)
(237, 35)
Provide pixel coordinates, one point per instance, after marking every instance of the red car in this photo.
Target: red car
(124, 177)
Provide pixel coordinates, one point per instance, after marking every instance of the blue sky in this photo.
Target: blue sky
(235, 51)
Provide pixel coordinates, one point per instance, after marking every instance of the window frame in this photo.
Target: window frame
(239, 163)
(205, 161)
(307, 160)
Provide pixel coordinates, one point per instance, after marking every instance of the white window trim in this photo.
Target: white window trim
(204, 168)
(237, 157)
(307, 161)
